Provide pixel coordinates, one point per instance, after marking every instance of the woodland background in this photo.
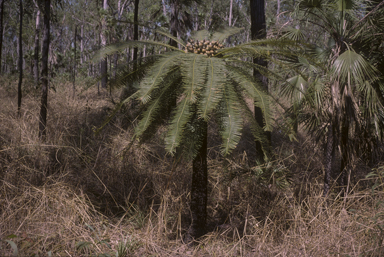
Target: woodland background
(69, 191)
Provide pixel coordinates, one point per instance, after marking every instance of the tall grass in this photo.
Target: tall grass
(81, 194)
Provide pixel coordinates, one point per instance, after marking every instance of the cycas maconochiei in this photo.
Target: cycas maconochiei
(207, 81)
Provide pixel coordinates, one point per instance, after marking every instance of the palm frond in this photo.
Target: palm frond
(353, 64)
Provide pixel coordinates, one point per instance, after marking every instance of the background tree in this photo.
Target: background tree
(19, 93)
(1, 30)
(44, 71)
(259, 31)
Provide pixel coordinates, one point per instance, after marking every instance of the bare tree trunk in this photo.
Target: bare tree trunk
(44, 71)
(82, 44)
(1, 29)
(37, 46)
(104, 62)
(230, 14)
(19, 94)
(259, 31)
(136, 28)
(74, 66)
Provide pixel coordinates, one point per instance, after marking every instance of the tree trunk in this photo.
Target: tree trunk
(44, 71)
(36, 50)
(19, 93)
(344, 157)
(199, 189)
(230, 13)
(329, 157)
(74, 66)
(136, 28)
(259, 31)
(1, 30)
(104, 63)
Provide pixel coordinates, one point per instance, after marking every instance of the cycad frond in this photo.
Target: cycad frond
(155, 76)
(194, 71)
(225, 32)
(230, 120)
(255, 91)
(176, 127)
(118, 47)
(212, 93)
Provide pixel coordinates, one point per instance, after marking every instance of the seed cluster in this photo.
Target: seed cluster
(205, 47)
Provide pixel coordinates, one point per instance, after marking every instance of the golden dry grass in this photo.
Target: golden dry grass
(81, 194)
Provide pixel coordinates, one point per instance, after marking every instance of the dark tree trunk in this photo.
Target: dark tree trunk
(1, 30)
(329, 157)
(36, 50)
(74, 66)
(344, 157)
(136, 28)
(104, 62)
(199, 189)
(44, 71)
(175, 6)
(259, 31)
(19, 93)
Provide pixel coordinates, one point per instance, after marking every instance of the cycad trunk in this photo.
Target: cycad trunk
(199, 190)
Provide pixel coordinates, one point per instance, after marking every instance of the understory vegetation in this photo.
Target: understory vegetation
(82, 193)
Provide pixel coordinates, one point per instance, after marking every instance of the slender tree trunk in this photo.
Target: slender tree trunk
(230, 13)
(136, 28)
(44, 71)
(329, 157)
(344, 156)
(36, 48)
(104, 62)
(199, 189)
(1, 30)
(259, 31)
(19, 95)
(74, 66)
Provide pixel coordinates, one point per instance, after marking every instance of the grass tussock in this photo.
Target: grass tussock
(82, 194)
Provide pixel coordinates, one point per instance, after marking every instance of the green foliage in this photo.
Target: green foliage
(185, 89)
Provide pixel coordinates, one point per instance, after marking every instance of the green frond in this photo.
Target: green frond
(294, 34)
(156, 75)
(176, 127)
(225, 32)
(353, 64)
(201, 35)
(164, 33)
(213, 91)
(253, 90)
(156, 107)
(194, 71)
(230, 119)
(118, 47)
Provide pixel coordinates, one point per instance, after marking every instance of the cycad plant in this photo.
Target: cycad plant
(185, 88)
(337, 90)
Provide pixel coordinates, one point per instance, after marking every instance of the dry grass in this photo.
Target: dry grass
(81, 194)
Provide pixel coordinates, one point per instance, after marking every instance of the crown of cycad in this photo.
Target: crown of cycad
(205, 47)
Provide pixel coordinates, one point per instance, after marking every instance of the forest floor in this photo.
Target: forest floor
(81, 193)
